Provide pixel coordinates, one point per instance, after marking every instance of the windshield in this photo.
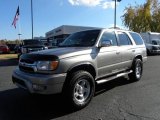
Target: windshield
(32, 42)
(81, 39)
(156, 42)
(56, 42)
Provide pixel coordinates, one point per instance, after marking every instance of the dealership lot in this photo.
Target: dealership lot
(115, 100)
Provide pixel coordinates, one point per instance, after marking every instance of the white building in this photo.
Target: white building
(64, 31)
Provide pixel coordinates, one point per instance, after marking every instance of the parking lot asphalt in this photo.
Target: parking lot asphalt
(115, 100)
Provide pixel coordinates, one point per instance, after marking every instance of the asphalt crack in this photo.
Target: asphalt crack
(125, 112)
(140, 116)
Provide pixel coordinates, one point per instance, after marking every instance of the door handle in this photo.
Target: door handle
(133, 50)
(117, 52)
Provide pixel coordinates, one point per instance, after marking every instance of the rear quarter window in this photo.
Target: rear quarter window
(138, 40)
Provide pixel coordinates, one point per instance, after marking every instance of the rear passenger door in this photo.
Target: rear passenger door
(126, 49)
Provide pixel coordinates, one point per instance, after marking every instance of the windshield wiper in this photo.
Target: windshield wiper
(71, 45)
(63, 46)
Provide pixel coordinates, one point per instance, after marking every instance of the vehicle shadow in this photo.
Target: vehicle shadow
(9, 62)
(18, 104)
(101, 88)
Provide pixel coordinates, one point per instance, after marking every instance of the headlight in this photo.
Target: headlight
(47, 65)
(45, 48)
(24, 50)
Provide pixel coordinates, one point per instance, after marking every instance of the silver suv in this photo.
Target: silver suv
(80, 62)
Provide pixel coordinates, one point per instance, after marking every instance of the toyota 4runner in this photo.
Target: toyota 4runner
(80, 62)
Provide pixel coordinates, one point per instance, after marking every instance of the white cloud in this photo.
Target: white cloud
(85, 2)
(106, 5)
(92, 3)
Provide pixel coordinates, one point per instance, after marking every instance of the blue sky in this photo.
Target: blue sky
(49, 14)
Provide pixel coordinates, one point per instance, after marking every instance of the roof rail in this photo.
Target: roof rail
(115, 28)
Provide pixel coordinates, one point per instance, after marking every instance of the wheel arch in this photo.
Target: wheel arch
(139, 57)
(83, 66)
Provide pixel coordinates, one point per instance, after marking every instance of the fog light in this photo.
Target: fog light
(38, 87)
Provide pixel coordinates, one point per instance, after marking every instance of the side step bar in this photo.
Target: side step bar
(113, 77)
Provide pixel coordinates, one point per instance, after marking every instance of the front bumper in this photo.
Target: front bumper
(39, 83)
(155, 51)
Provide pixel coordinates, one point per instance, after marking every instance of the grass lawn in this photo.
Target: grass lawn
(7, 56)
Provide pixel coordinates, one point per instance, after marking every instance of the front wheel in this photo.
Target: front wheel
(137, 68)
(81, 89)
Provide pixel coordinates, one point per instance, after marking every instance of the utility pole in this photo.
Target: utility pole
(32, 17)
(115, 12)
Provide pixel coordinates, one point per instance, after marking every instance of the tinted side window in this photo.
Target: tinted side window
(109, 36)
(124, 39)
(138, 40)
(154, 42)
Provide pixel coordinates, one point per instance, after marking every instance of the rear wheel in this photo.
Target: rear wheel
(137, 68)
(81, 89)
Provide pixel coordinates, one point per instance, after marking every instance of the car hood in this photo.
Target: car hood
(33, 46)
(150, 45)
(66, 52)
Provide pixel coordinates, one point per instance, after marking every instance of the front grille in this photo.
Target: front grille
(26, 69)
(26, 64)
(20, 82)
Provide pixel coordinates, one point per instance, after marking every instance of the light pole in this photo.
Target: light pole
(19, 36)
(32, 16)
(115, 10)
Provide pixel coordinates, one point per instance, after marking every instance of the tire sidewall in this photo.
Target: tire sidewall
(133, 75)
(77, 77)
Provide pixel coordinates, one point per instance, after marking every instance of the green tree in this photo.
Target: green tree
(142, 18)
(155, 23)
(3, 42)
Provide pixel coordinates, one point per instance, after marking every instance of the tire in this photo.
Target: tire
(137, 68)
(148, 52)
(80, 89)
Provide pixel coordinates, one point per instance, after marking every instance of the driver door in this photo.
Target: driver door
(109, 58)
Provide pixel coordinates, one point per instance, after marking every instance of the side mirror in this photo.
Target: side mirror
(106, 43)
